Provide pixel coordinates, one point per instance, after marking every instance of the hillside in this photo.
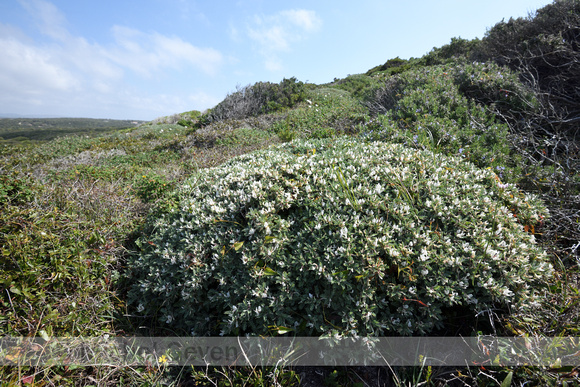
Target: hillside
(435, 196)
(45, 129)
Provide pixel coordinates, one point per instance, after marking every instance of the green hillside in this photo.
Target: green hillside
(434, 196)
(45, 129)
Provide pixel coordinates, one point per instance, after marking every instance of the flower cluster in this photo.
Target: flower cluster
(337, 237)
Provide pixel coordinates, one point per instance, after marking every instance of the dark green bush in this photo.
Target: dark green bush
(450, 109)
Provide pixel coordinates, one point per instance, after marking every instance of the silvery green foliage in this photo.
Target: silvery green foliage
(337, 237)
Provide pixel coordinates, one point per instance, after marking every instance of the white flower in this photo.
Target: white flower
(507, 293)
(343, 233)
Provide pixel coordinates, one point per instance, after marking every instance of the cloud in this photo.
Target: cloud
(65, 72)
(276, 33)
(146, 54)
(29, 70)
(307, 20)
(50, 21)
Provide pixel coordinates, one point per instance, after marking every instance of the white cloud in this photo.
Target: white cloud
(67, 74)
(276, 33)
(49, 19)
(148, 53)
(307, 20)
(30, 70)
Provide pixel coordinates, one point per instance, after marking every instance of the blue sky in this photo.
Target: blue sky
(141, 59)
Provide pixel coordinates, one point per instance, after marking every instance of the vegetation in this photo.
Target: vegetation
(260, 98)
(475, 146)
(44, 129)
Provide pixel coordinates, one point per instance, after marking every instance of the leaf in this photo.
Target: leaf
(27, 294)
(507, 382)
(238, 245)
(15, 290)
(284, 330)
(269, 239)
(223, 252)
(268, 271)
(44, 335)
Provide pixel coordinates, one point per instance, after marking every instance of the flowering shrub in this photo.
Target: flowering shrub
(337, 237)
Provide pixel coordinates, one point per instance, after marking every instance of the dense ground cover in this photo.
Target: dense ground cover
(469, 150)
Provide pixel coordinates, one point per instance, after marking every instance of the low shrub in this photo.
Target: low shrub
(53, 279)
(326, 113)
(451, 109)
(260, 98)
(14, 189)
(243, 136)
(337, 237)
(152, 187)
(357, 85)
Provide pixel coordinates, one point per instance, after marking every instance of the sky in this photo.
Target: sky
(143, 59)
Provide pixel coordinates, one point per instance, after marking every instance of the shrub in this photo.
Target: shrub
(451, 109)
(337, 237)
(328, 111)
(151, 188)
(243, 136)
(260, 98)
(183, 119)
(457, 49)
(14, 189)
(50, 273)
(358, 85)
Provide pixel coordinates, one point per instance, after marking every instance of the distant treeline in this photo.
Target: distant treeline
(45, 129)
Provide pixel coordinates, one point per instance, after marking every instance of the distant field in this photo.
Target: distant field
(45, 129)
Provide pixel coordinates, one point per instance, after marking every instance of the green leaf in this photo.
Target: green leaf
(507, 382)
(44, 335)
(268, 271)
(238, 245)
(15, 290)
(269, 239)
